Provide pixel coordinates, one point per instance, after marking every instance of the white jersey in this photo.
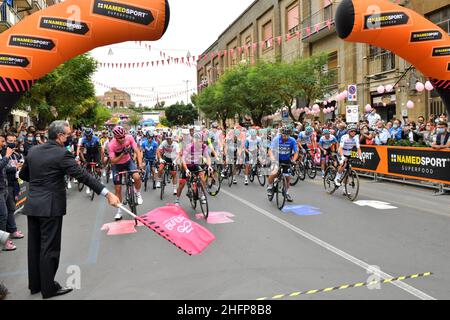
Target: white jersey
(252, 145)
(169, 151)
(348, 143)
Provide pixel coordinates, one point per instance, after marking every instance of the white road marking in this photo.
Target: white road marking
(415, 292)
(379, 205)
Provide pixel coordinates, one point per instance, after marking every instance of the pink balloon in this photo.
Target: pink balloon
(332, 109)
(345, 92)
(410, 104)
(420, 86)
(325, 103)
(429, 86)
(316, 107)
(389, 88)
(368, 108)
(380, 89)
(325, 111)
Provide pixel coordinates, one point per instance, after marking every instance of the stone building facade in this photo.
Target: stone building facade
(116, 98)
(361, 64)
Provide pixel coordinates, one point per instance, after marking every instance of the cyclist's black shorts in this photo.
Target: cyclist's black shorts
(169, 162)
(92, 157)
(150, 161)
(128, 166)
(324, 153)
(286, 167)
(191, 168)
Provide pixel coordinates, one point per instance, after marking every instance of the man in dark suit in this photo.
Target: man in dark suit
(45, 168)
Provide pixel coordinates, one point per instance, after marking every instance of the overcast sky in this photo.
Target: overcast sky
(194, 26)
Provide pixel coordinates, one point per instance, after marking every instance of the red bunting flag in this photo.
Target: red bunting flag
(148, 63)
(317, 27)
(308, 31)
(225, 53)
(239, 51)
(182, 59)
(298, 34)
(329, 24)
(279, 40)
(162, 62)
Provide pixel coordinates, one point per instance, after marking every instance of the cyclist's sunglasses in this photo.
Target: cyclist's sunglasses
(120, 138)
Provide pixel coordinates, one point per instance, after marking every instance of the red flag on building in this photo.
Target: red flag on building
(279, 40)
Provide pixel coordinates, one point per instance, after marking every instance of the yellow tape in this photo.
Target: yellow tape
(346, 286)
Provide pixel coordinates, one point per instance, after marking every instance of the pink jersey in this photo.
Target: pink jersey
(115, 148)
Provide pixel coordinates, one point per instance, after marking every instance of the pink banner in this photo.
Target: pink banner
(173, 224)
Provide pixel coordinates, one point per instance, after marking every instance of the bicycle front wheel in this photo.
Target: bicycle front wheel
(295, 175)
(163, 185)
(230, 175)
(328, 180)
(261, 176)
(213, 183)
(352, 185)
(311, 169)
(281, 190)
(203, 199)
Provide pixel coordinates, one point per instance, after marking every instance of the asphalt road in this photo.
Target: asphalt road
(328, 242)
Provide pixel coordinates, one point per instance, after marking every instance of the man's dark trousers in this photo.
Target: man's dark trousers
(44, 247)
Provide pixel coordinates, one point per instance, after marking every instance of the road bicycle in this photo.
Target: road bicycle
(213, 180)
(196, 193)
(149, 174)
(280, 185)
(257, 170)
(168, 169)
(350, 180)
(130, 193)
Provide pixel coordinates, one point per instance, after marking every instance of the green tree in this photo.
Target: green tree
(62, 93)
(180, 114)
(134, 120)
(304, 78)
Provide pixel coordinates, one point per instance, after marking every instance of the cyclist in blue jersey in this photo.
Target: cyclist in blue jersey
(283, 152)
(90, 150)
(149, 147)
(327, 144)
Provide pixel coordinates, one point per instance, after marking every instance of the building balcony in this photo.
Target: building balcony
(8, 17)
(24, 5)
(319, 25)
(38, 5)
(445, 25)
(381, 63)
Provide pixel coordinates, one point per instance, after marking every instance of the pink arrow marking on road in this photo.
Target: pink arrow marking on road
(217, 217)
(120, 227)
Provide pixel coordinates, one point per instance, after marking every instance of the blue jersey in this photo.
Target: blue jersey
(92, 147)
(283, 150)
(327, 143)
(149, 149)
(305, 139)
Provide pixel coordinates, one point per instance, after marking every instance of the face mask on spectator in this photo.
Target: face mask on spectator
(441, 130)
(395, 126)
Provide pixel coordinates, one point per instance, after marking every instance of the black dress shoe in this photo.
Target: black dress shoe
(35, 291)
(59, 292)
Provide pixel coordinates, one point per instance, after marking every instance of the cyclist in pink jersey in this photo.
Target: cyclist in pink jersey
(120, 149)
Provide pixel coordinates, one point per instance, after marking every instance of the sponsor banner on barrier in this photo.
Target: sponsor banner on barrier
(410, 163)
(370, 156)
(23, 193)
(417, 163)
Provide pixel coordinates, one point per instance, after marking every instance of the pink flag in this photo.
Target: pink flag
(329, 24)
(279, 40)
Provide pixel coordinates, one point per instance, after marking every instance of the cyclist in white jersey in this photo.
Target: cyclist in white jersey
(167, 154)
(347, 144)
(252, 146)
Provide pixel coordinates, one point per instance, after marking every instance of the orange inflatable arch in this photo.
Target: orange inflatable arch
(47, 38)
(403, 31)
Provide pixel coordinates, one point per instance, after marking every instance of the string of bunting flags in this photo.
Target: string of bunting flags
(308, 31)
(161, 95)
(190, 61)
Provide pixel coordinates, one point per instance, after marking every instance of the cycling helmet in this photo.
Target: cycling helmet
(286, 131)
(132, 131)
(110, 135)
(352, 127)
(88, 132)
(326, 131)
(309, 130)
(198, 136)
(119, 131)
